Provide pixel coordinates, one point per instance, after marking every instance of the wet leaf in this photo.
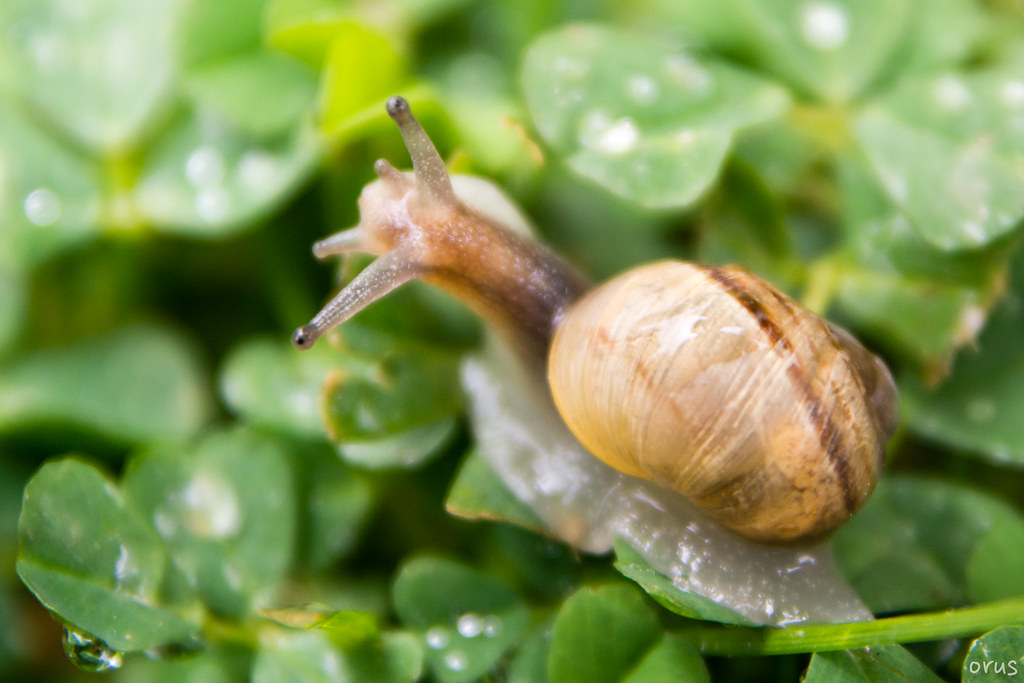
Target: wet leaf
(207, 178)
(601, 635)
(383, 387)
(51, 194)
(261, 93)
(467, 620)
(922, 301)
(645, 121)
(93, 560)
(661, 588)
(136, 384)
(888, 663)
(949, 152)
(267, 382)
(226, 511)
(996, 656)
(832, 50)
(911, 545)
(310, 657)
(102, 70)
(977, 407)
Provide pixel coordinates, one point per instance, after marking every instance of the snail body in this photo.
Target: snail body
(707, 380)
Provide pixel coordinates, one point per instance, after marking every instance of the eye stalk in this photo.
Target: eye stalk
(419, 228)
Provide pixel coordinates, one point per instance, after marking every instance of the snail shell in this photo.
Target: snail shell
(768, 418)
(706, 380)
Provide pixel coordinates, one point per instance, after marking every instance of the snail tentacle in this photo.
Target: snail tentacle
(427, 164)
(385, 274)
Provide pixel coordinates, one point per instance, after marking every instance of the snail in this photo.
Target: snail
(704, 379)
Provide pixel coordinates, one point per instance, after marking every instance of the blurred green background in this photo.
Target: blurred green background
(200, 493)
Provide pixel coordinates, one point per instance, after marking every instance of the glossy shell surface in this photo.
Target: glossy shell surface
(714, 383)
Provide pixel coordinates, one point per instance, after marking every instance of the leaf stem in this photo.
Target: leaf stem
(911, 628)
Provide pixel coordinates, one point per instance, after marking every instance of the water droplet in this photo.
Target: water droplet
(974, 231)
(950, 92)
(598, 131)
(455, 660)
(437, 638)
(469, 625)
(89, 653)
(42, 207)
(824, 25)
(643, 89)
(212, 508)
(48, 50)
(688, 73)
(492, 627)
(257, 170)
(204, 167)
(1012, 94)
(212, 204)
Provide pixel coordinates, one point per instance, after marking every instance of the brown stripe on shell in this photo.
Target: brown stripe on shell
(828, 435)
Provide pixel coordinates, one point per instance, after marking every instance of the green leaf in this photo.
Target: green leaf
(267, 382)
(364, 66)
(304, 29)
(946, 33)
(661, 588)
(869, 665)
(671, 660)
(830, 50)
(207, 178)
(137, 384)
(310, 657)
(336, 505)
(910, 546)
(479, 493)
(995, 568)
(921, 300)
(467, 620)
(94, 561)
(12, 306)
(102, 70)
(947, 151)
(996, 656)
(646, 122)
(408, 449)
(977, 408)
(298, 657)
(51, 194)
(531, 661)
(261, 93)
(601, 634)
(384, 387)
(213, 31)
(227, 512)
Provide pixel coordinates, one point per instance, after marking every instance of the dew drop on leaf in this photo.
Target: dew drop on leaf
(42, 207)
(204, 167)
(437, 638)
(824, 25)
(212, 204)
(89, 653)
(469, 625)
(455, 660)
(492, 627)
